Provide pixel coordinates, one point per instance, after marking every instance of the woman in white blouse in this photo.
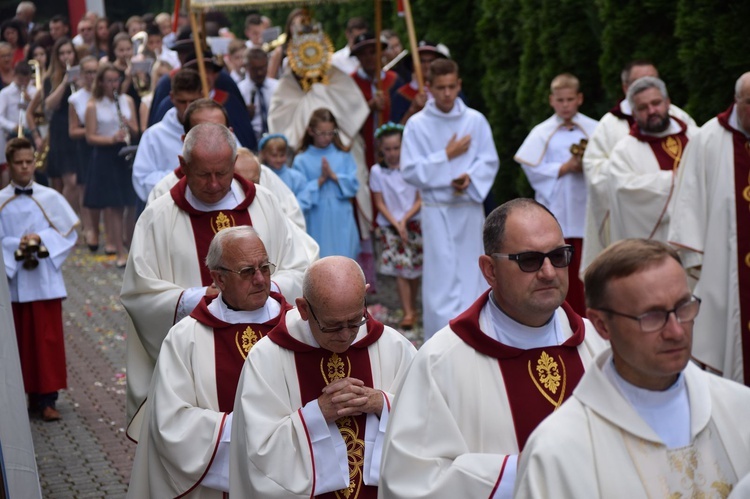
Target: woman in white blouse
(110, 125)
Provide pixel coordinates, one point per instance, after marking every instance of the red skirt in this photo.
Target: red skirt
(41, 345)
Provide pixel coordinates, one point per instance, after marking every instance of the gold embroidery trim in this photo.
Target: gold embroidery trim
(222, 222)
(245, 341)
(550, 375)
(673, 147)
(335, 369)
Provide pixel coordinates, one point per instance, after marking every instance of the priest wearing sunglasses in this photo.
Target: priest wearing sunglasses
(481, 385)
(315, 395)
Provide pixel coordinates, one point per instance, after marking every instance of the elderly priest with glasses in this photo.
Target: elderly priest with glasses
(186, 421)
(315, 394)
(479, 387)
(644, 421)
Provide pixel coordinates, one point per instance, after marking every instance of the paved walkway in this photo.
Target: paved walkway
(86, 454)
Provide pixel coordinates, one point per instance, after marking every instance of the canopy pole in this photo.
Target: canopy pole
(197, 36)
(378, 52)
(413, 44)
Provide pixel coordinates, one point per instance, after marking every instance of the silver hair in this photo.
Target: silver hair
(215, 252)
(642, 84)
(308, 282)
(743, 80)
(205, 134)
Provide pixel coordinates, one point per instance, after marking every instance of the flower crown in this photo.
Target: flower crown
(387, 128)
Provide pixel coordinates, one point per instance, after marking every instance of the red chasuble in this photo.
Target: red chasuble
(742, 212)
(318, 367)
(538, 380)
(232, 343)
(207, 223)
(668, 150)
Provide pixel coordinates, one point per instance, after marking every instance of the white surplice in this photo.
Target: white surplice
(47, 214)
(451, 222)
(451, 432)
(164, 272)
(597, 445)
(281, 449)
(704, 230)
(607, 134)
(184, 435)
(640, 192)
(542, 154)
(157, 153)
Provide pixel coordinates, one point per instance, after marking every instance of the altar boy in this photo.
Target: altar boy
(37, 229)
(551, 159)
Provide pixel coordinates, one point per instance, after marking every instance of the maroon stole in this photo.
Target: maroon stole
(207, 223)
(368, 129)
(318, 367)
(538, 380)
(619, 114)
(408, 92)
(232, 343)
(668, 150)
(179, 173)
(742, 212)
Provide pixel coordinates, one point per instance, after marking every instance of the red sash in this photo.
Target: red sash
(318, 367)
(668, 150)
(232, 343)
(538, 380)
(207, 223)
(742, 212)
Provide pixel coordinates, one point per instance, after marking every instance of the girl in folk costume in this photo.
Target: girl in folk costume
(57, 87)
(400, 232)
(77, 132)
(327, 198)
(110, 125)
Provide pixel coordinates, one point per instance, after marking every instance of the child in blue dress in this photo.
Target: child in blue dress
(331, 184)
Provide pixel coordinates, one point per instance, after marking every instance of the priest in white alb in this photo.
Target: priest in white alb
(644, 421)
(641, 172)
(710, 223)
(551, 159)
(186, 422)
(449, 154)
(315, 394)
(480, 386)
(165, 279)
(613, 126)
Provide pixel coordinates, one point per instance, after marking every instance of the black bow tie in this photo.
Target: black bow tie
(28, 192)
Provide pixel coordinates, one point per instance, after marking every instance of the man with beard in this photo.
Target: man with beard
(640, 175)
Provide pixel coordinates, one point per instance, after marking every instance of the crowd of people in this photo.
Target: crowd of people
(252, 201)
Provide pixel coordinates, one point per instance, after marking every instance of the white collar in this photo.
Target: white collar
(230, 201)
(512, 333)
(734, 122)
(268, 311)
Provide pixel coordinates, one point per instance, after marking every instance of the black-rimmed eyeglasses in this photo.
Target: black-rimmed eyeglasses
(532, 261)
(249, 272)
(657, 319)
(338, 329)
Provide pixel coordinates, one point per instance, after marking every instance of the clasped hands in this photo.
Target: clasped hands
(349, 397)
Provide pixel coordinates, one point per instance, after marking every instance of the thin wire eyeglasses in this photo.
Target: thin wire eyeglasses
(657, 319)
(338, 329)
(249, 272)
(532, 261)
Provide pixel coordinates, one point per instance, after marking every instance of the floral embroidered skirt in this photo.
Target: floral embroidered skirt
(398, 257)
